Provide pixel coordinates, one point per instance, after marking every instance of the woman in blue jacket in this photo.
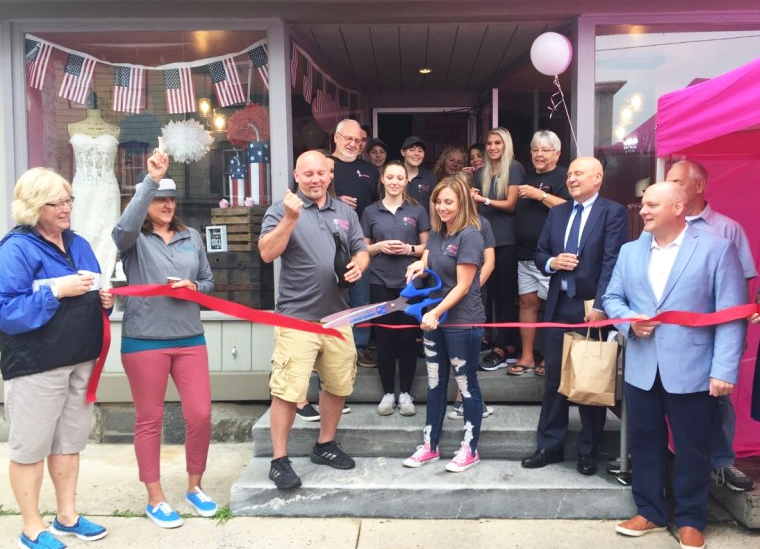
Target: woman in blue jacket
(51, 332)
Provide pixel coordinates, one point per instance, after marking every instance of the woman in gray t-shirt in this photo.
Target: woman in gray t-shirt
(455, 252)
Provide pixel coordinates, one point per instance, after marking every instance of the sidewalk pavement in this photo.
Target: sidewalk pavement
(110, 494)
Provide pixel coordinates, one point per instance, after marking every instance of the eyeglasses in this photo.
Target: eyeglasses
(542, 151)
(61, 204)
(355, 140)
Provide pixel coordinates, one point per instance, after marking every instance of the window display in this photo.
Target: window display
(97, 102)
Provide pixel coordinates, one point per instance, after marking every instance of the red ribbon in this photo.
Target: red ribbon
(680, 318)
(214, 303)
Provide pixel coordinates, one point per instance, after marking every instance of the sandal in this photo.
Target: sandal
(539, 370)
(519, 369)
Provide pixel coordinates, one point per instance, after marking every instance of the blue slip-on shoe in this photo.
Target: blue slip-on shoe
(45, 540)
(163, 515)
(83, 529)
(203, 505)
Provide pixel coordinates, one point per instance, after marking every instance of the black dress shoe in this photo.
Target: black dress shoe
(542, 458)
(586, 465)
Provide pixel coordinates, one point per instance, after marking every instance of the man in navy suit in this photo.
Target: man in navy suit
(578, 247)
(674, 371)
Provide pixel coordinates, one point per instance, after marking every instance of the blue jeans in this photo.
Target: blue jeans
(458, 348)
(722, 434)
(358, 295)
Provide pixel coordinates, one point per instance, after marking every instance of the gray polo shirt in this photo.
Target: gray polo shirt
(445, 253)
(502, 223)
(421, 186)
(308, 289)
(378, 224)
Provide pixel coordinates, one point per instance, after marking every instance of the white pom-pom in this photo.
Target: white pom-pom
(186, 141)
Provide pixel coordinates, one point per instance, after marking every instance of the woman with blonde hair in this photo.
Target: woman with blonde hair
(51, 333)
(495, 190)
(450, 162)
(455, 251)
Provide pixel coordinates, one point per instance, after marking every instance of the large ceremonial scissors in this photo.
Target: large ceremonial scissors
(401, 303)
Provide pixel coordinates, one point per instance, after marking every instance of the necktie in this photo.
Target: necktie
(571, 247)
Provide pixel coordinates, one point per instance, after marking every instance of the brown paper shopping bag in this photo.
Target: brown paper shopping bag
(589, 369)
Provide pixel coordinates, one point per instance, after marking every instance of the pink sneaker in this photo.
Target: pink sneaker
(463, 459)
(422, 456)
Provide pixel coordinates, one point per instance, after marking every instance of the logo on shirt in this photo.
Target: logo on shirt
(409, 221)
(423, 187)
(450, 250)
(341, 224)
(360, 174)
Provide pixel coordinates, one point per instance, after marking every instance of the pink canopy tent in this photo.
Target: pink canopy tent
(717, 122)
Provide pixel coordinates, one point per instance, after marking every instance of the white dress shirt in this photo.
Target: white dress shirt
(661, 260)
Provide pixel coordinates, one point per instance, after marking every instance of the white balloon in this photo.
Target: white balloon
(551, 53)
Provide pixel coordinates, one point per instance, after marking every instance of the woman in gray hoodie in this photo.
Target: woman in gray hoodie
(163, 336)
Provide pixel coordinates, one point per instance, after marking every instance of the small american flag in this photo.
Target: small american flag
(320, 99)
(180, 94)
(77, 78)
(258, 158)
(307, 85)
(238, 181)
(128, 88)
(37, 57)
(226, 80)
(293, 63)
(260, 60)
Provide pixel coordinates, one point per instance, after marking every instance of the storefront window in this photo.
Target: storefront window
(205, 92)
(633, 69)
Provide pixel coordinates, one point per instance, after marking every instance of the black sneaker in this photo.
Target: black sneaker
(366, 358)
(493, 361)
(332, 455)
(732, 478)
(283, 475)
(308, 413)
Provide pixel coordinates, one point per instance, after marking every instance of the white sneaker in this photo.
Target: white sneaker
(406, 404)
(385, 408)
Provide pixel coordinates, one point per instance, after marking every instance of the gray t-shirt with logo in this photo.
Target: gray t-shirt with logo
(308, 287)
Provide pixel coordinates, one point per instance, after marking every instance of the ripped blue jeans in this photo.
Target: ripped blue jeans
(457, 348)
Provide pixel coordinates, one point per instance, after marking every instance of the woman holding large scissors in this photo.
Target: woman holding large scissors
(395, 230)
(455, 251)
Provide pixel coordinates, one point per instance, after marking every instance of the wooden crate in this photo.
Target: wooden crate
(243, 226)
(244, 278)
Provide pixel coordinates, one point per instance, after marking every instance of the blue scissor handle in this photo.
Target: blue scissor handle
(416, 309)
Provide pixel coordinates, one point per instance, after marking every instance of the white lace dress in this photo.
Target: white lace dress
(97, 193)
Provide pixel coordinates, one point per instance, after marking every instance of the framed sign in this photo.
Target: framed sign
(216, 238)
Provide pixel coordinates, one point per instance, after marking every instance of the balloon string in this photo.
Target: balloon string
(557, 99)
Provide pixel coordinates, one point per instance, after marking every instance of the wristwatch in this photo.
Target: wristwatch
(543, 197)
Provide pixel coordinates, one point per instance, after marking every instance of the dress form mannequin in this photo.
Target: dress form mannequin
(95, 143)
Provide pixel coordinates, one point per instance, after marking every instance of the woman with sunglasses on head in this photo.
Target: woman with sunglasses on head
(455, 251)
(395, 230)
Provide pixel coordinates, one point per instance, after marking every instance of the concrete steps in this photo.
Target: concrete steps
(382, 487)
(510, 433)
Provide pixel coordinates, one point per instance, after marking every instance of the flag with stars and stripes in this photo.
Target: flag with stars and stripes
(260, 60)
(77, 78)
(293, 63)
(320, 102)
(307, 83)
(128, 89)
(258, 160)
(226, 80)
(37, 56)
(238, 181)
(180, 93)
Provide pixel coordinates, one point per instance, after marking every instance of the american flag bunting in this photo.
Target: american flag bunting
(180, 94)
(307, 83)
(293, 63)
(320, 102)
(77, 78)
(37, 56)
(226, 80)
(260, 60)
(128, 89)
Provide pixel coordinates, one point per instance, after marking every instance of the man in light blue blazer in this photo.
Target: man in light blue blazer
(674, 371)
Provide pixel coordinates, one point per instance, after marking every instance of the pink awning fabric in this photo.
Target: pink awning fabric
(717, 122)
(691, 119)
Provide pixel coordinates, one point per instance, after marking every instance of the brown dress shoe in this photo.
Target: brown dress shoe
(638, 526)
(691, 538)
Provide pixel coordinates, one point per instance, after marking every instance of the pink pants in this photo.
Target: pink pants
(148, 374)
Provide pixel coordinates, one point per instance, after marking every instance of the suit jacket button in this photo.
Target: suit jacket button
(658, 311)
